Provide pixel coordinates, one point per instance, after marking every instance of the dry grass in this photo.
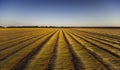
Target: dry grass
(59, 49)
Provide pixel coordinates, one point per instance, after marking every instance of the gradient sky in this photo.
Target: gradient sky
(60, 12)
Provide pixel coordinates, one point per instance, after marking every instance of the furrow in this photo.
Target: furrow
(89, 62)
(76, 61)
(104, 56)
(18, 59)
(41, 59)
(53, 57)
(98, 46)
(112, 37)
(23, 63)
(4, 54)
(107, 42)
(63, 60)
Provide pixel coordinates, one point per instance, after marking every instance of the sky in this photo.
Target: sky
(60, 13)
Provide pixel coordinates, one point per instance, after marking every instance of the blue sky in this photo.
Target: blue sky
(60, 12)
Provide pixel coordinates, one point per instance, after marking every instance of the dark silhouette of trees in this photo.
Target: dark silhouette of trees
(53, 27)
(1, 27)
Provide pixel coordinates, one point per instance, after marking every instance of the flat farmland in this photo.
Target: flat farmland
(59, 48)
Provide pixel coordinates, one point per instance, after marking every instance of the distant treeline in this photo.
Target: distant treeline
(52, 27)
(2, 27)
(31, 27)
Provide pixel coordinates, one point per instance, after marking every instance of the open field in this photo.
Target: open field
(60, 49)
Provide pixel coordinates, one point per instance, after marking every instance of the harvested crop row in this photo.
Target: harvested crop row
(63, 59)
(105, 56)
(23, 32)
(13, 34)
(106, 47)
(88, 61)
(59, 49)
(32, 33)
(112, 49)
(76, 61)
(104, 39)
(19, 41)
(110, 43)
(8, 52)
(42, 58)
(109, 37)
(22, 55)
(107, 31)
